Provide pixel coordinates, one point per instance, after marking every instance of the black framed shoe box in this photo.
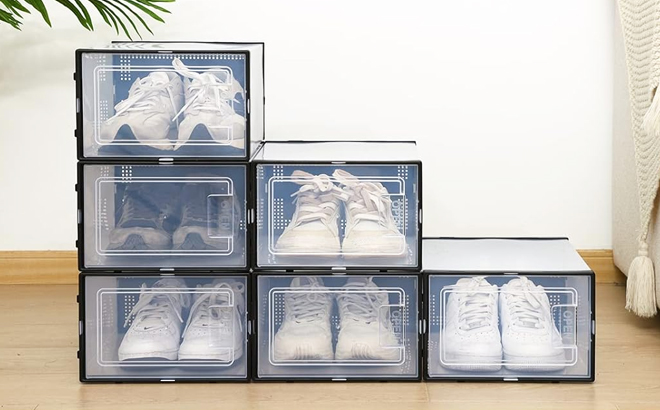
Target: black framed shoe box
(337, 205)
(360, 326)
(177, 100)
(136, 216)
(507, 309)
(164, 328)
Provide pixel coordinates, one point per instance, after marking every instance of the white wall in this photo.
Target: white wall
(510, 100)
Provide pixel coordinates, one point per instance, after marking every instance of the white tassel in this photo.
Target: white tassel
(651, 120)
(640, 290)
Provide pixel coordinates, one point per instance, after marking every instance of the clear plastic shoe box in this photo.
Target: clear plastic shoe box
(340, 205)
(149, 217)
(170, 100)
(314, 326)
(163, 328)
(508, 309)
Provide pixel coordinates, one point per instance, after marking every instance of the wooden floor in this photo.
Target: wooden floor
(39, 369)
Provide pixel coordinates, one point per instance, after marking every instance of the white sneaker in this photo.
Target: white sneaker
(471, 336)
(214, 330)
(365, 330)
(305, 332)
(210, 99)
(530, 340)
(314, 225)
(156, 329)
(370, 226)
(149, 110)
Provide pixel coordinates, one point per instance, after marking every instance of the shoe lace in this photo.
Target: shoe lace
(367, 201)
(143, 96)
(316, 199)
(475, 309)
(209, 92)
(202, 311)
(155, 303)
(362, 306)
(526, 305)
(306, 306)
(194, 209)
(136, 205)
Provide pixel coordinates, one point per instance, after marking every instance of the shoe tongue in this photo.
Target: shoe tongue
(361, 282)
(478, 282)
(159, 77)
(169, 283)
(305, 281)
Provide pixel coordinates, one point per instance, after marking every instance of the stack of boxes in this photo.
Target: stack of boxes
(209, 254)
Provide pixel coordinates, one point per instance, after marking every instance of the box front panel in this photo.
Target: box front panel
(164, 104)
(337, 215)
(510, 327)
(164, 216)
(157, 328)
(337, 327)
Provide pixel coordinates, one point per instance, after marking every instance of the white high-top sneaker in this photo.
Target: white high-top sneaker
(156, 329)
(365, 328)
(214, 330)
(370, 226)
(149, 110)
(471, 336)
(530, 339)
(210, 99)
(305, 333)
(314, 224)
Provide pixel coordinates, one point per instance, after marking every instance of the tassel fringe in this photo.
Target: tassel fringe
(640, 289)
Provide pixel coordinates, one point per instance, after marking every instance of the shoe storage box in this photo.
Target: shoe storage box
(150, 217)
(339, 205)
(170, 100)
(508, 309)
(163, 328)
(337, 327)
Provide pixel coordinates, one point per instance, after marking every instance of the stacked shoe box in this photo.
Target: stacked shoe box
(508, 309)
(337, 266)
(165, 132)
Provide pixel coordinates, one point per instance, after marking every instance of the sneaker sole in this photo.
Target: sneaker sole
(481, 363)
(225, 356)
(151, 356)
(535, 364)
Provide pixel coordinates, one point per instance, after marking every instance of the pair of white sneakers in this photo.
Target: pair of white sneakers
(213, 330)
(365, 331)
(370, 226)
(161, 104)
(471, 340)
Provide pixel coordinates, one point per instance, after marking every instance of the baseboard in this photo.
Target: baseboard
(61, 268)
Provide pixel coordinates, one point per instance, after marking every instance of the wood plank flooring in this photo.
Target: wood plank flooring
(39, 369)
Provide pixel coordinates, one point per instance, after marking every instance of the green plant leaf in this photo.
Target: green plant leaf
(7, 17)
(101, 12)
(150, 3)
(86, 14)
(117, 20)
(128, 18)
(144, 23)
(15, 7)
(39, 6)
(146, 10)
(72, 7)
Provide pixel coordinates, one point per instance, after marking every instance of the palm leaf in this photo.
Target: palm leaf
(79, 15)
(41, 8)
(118, 14)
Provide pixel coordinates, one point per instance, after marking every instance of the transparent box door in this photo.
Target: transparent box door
(337, 326)
(181, 104)
(149, 327)
(337, 215)
(510, 326)
(164, 216)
